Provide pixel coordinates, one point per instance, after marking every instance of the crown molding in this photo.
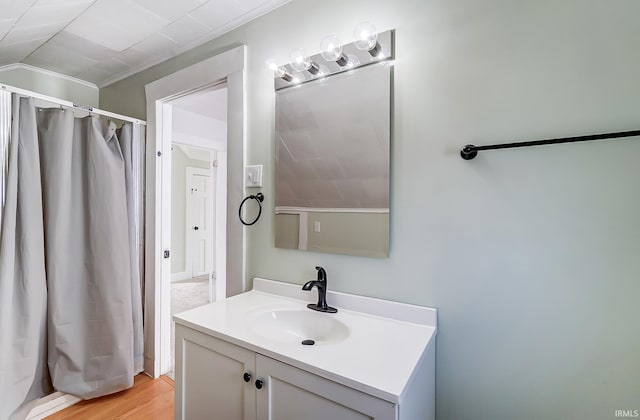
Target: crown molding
(23, 66)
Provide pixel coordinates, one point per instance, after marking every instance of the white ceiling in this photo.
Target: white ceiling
(102, 41)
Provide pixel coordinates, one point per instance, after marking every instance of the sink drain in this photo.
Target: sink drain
(308, 342)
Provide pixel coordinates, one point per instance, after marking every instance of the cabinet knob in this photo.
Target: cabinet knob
(246, 376)
(259, 384)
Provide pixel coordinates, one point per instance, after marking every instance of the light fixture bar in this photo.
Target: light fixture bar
(350, 59)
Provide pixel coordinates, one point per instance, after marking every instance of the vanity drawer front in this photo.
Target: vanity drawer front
(291, 393)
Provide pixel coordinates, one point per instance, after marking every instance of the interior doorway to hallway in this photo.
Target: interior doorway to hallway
(227, 67)
(198, 201)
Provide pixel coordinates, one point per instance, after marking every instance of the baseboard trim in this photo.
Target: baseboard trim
(51, 404)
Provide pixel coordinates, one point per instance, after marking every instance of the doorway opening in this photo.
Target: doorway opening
(226, 67)
(197, 126)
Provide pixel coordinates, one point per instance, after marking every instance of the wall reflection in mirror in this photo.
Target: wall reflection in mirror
(332, 163)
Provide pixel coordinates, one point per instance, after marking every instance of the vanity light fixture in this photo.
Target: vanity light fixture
(280, 72)
(331, 50)
(365, 38)
(334, 57)
(302, 62)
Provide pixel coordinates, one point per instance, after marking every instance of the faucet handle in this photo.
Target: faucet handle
(322, 274)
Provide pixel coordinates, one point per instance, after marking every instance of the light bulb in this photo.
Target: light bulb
(331, 48)
(299, 60)
(365, 36)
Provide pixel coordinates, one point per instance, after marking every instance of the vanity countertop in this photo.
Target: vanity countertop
(386, 339)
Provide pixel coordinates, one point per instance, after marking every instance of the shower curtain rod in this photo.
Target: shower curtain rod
(68, 104)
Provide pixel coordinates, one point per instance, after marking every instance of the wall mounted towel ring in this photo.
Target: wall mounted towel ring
(259, 199)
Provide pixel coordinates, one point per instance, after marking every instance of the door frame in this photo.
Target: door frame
(228, 67)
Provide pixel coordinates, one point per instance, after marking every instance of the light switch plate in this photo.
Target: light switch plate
(253, 176)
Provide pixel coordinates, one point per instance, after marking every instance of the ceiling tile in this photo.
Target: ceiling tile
(216, 13)
(57, 58)
(53, 12)
(113, 66)
(5, 26)
(254, 4)
(14, 8)
(100, 32)
(134, 56)
(185, 30)
(70, 66)
(22, 33)
(82, 46)
(62, 3)
(170, 10)
(116, 24)
(14, 53)
(94, 74)
(158, 45)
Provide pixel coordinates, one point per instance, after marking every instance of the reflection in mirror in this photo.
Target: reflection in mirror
(332, 163)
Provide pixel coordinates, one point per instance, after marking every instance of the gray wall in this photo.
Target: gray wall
(48, 83)
(531, 256)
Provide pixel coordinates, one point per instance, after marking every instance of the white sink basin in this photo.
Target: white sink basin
(296, 325)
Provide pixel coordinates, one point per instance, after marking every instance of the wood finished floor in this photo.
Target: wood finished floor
(147, 399)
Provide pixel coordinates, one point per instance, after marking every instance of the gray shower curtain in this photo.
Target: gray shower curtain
(78, 208)
(132, 144)
(23, 289)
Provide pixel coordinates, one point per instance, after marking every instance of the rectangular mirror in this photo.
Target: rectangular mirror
(332, 163)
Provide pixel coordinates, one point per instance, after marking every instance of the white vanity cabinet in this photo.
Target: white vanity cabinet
(243, 358)
(211, 383)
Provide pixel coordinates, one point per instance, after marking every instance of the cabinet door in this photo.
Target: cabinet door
(209, 378)
(291, 393)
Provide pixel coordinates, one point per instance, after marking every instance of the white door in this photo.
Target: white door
(200, 227)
